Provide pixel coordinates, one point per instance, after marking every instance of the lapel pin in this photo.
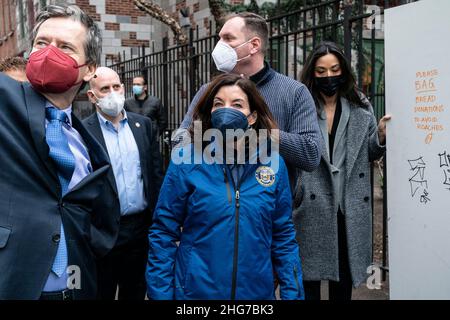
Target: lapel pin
(138, 124)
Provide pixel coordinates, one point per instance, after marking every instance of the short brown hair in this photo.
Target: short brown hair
(13, 63)
(93, 41)
(255, 24)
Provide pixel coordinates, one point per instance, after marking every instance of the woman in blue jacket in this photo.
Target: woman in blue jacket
(222, 229)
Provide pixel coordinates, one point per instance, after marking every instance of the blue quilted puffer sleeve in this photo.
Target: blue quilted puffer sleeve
(285, 251)
(164, 233)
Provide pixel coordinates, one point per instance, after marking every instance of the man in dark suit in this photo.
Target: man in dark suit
(132, 146)
(52, 168)
(144, 104)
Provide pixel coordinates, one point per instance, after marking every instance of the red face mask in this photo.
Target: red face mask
(50, 70)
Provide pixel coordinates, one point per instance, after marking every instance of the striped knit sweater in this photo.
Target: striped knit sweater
(293, 108)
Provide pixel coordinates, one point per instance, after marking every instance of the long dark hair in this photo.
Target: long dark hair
(348, 89)
(202, 111)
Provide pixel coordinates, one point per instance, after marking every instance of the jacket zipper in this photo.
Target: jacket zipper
(236, 246)
(225, 178)
(236, 233)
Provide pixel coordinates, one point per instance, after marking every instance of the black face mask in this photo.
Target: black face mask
(329, 85)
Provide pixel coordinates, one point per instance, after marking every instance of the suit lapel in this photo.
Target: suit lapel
(98, 156)
(325, 142)
(97, 153)
(345, 115)
(35, 105)
(324, 130)
(138, 130)
(94, 128)
(358, 125)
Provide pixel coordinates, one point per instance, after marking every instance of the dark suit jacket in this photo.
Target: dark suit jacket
(150, 158)
(152, 108)
(31, 207)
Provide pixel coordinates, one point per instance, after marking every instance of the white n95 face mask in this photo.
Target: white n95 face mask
(112, 104)
(225, 56)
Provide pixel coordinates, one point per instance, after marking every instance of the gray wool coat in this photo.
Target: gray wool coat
(327, 187)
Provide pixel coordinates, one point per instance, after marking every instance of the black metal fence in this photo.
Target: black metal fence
(176, 73)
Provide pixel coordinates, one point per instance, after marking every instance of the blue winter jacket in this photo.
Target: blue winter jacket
(211, 239)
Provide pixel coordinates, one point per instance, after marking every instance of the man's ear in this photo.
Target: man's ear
(90, 73)
(91, 96)
(256, 43)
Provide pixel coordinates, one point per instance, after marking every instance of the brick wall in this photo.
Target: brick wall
(125, 28)
(199, 14)
(8, 42)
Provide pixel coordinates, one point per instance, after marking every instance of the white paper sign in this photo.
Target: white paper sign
(417, 72)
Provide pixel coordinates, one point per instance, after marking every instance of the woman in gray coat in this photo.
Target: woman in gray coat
(334, 218)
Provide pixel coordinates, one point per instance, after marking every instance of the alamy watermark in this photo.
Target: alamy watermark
(374, 21)
(74, 279)
(374, 280)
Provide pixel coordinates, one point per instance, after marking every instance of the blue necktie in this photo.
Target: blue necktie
(65, 164)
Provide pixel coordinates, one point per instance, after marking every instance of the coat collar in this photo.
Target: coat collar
(263, 75)
(97, 153)
(358, 125)
(345, 115)
(139, 132)
(94, 128)
(354, 120)
(35, 104)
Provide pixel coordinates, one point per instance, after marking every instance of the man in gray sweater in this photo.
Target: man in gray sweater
(241, 50)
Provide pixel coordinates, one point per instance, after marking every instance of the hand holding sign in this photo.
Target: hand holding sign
(382, 128)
